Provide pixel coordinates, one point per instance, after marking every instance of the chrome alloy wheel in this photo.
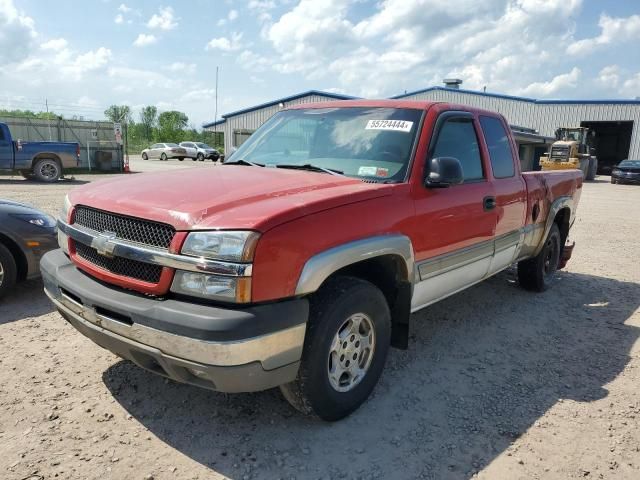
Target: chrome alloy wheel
(1, 274)
(49, 170)
(351, 352)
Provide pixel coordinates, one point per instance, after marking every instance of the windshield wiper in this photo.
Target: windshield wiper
(310, 167)
(242, 161)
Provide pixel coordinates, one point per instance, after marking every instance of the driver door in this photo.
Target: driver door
(454, 226)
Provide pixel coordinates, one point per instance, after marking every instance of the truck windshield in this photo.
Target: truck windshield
(362, 142)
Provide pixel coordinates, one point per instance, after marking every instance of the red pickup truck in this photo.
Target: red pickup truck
(299, 261)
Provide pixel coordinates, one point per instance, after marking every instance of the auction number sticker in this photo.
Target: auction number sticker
(397, 125)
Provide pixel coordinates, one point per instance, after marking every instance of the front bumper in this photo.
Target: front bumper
(246, 350)
(634, 178)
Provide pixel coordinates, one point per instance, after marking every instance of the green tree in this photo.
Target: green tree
(148, 119)
(119, 113)
(171, 126)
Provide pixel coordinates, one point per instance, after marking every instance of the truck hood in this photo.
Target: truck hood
(225, 197)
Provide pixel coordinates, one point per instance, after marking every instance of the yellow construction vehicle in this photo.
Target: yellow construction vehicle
(572, 149)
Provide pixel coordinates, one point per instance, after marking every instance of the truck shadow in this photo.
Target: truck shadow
(24, 183)
(482, 368)
(27, 300)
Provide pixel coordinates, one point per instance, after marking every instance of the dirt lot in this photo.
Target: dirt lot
(498, 383)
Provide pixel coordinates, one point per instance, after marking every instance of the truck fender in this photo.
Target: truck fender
(359, 253)
(559, 204)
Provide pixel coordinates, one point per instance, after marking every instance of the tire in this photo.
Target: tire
(47, 170)
(536, 274)
(593, 169)
(28, 174)
(145, 157)
(163, 157)
(181, 158)
(340, 305)
(614, 181)
(200, 157)
(8, 271)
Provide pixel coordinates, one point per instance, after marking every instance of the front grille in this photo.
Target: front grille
(120, 266)
(136, 230)
(559, 153)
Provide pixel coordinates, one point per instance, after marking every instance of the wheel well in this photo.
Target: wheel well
(46, 156)
(389, 274)
(562, 219)
(18, 255)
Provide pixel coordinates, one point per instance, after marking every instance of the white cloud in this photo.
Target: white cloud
(612, 31)
(123, 8)
(226, 44)
(17, 32)
(163, 20)
(252, 61)
(564, 81)
(609, 76)
(144, 39)
(54, 44)
(233, 14)
(119, 19)
(183, 67)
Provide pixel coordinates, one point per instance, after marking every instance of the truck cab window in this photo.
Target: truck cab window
(457, 138)
(499, 147)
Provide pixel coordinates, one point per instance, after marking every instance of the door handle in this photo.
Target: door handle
(489, 203)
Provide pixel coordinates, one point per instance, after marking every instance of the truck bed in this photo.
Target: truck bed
(544, 188)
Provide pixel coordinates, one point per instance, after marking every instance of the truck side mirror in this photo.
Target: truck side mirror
(444, 172)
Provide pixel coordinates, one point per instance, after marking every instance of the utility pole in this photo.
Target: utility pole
(46, 103)
(215, 116)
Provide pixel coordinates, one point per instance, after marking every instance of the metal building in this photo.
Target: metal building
(239, 125)
(616, 123)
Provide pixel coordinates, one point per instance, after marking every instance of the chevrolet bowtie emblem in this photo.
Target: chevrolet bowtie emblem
(103, 244)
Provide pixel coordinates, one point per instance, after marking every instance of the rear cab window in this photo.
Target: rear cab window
(500, 153)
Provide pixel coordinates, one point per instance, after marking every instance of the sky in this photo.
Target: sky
(82, 56)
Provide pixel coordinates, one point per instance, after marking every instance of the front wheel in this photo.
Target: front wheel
(145, 157)
(163, 157)
(200, 157)
(8, 271)
(614, 181)
(537, 273)
(345, 349)
(47, 170)
(181, 158)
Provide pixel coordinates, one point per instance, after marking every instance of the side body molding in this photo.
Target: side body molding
(319, 267)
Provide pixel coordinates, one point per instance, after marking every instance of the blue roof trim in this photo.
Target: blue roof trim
(335, 96)
(521, 99)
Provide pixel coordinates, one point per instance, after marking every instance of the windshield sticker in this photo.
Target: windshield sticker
(373, 172)
(396, 125)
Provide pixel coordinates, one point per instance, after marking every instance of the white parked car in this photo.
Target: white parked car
(164, 151)
(200, 151)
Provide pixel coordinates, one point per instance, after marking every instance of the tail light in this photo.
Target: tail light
(78, 150)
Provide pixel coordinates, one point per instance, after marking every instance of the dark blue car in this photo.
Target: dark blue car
(25, 235)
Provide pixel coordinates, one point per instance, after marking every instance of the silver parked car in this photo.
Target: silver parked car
(164, 151)
(200, 151)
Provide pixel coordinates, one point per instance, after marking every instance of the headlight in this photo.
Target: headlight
(38, 219)
(232, 246)
(66, 207)
(214, 287)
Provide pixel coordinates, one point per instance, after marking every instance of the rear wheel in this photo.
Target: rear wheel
(47, 170)
(537, 273)
(144, 156)
(8, 271)
(181, 158)
(163, 157)
(345, 349)
(593, 168)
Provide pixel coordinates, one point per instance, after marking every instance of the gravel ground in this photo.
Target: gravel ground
(498, 383)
